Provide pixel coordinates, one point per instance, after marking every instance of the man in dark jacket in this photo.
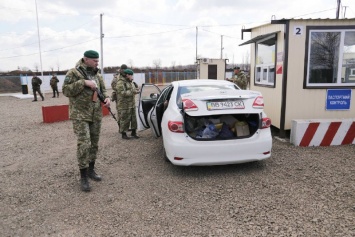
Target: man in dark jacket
(36, 87)
(54, 84)
(85, 111)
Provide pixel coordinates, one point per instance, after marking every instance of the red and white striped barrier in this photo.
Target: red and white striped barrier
(323, 132)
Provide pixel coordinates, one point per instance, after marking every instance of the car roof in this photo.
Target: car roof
(196, 82)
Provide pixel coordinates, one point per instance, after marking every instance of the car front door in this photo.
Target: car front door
(148, 97)
(156, 113)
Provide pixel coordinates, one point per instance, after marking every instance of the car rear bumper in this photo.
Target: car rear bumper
(219, 152)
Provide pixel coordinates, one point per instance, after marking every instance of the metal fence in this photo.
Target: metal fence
(168, 77)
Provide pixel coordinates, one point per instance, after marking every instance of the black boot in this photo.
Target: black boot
(85, 186)
(124, 136)
(91, 172)
(134, 134)
(58, 94)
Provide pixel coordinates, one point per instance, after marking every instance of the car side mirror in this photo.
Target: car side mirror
(154, 96)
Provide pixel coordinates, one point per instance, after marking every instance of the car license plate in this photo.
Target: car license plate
(237, 104)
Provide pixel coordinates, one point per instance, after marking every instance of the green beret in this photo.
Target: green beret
(91, 54)
(128, 71)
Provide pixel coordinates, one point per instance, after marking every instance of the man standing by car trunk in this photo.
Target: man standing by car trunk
(239, 78)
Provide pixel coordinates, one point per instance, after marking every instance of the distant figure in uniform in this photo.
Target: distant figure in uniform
(239, 78)
(85, 111)
(36, 87)
(54, 84)
(126, 104)
(114, 82)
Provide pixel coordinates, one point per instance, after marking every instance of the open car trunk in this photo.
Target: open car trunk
(222, 127)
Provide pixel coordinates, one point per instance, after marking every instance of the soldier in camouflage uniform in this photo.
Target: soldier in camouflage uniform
(239, 78)
(54, 84)
(114, 82)
(86, 112)
(126, 104)
(36, 87)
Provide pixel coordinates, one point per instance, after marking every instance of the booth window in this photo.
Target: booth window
(331, 58)
(265, 61)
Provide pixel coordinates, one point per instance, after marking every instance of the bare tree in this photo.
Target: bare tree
(130, 63)
(51, 68)
(58, 65)
(36, 66)
(157, 63)
(173, 63)
(324, 46)
(247, 61)
(324, 56)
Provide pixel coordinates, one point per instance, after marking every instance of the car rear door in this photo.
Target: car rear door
(147, 99)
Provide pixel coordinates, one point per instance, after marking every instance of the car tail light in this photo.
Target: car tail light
(176, 126)
(266, 123)
(189, 105)
(258, 102)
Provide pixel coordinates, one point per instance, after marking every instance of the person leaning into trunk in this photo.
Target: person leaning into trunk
(85, 111)
(126, 104)
(36, 87)
(239, 78)
(54, 84)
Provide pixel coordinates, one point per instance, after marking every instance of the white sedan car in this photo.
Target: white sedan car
(206, 122)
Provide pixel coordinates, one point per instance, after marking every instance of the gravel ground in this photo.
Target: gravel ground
(297, 192)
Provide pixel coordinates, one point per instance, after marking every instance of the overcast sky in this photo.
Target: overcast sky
(137, 32)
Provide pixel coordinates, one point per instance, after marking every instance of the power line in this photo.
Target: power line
(146, 22)
(128, 36)
(46, 51)
(46, 38)
(221, 34)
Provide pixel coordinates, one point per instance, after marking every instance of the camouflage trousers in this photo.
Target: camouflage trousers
(127, 119)
(88, 134)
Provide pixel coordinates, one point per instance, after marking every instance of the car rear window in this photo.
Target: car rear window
(199, 88)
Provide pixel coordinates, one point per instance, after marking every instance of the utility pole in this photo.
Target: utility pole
(39, 46)
(221, 46)
(101, 40)
(197, 76)
(338, 9)
(344, 11)
(196, 42)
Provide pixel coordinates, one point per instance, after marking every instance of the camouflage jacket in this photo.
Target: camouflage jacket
(114, 81)
(81, 106)
(53, 82)
(241, 80)
(125, 93)
(113, 86)
(36, 82)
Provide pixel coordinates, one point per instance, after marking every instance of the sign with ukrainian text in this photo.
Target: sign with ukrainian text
(338, 99)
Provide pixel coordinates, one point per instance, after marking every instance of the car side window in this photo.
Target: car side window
(164, 95)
